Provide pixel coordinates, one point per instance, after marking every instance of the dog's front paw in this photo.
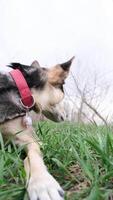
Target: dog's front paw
(44, 187)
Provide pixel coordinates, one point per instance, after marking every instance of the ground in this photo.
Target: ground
(79, 156)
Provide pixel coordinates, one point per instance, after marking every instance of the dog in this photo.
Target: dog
(46, 86)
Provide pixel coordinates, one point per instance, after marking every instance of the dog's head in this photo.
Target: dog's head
(46, 85)
(52, 93)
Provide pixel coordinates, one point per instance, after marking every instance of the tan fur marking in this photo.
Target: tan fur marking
(47, 97)
(56, 75)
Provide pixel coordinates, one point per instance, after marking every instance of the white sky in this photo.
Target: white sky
(52, 31)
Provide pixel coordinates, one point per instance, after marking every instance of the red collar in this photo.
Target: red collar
(27, 99)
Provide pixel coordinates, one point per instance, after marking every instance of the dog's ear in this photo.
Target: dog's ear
(35, 64)
(66, 66)
(58, 73)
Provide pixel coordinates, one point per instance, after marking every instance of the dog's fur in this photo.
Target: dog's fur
(47, 89)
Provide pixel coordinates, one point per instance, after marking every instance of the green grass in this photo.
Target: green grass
(80, 157)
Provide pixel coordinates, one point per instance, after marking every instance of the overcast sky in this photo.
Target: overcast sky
(52, 31)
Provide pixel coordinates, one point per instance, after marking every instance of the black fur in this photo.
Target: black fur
(65, 66)
(6, 82)
(10, 106)
(35, 77)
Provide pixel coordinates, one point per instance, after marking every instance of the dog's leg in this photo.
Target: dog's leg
(40, 184)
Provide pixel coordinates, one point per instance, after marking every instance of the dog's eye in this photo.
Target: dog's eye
(61, 87)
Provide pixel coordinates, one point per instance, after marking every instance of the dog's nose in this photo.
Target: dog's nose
(62, 118)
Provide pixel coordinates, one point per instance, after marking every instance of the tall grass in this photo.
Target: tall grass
(80, 157)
